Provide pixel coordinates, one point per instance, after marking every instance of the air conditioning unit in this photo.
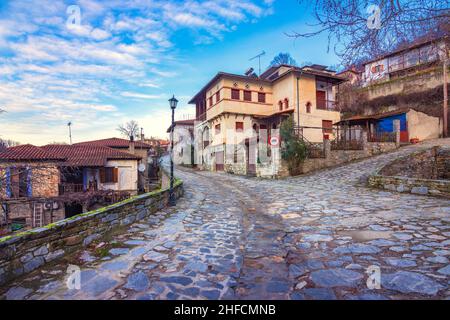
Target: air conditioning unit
(51, 205)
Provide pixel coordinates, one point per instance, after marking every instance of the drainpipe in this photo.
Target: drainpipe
(298, 103)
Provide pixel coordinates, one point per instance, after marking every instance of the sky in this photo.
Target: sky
(99, 64)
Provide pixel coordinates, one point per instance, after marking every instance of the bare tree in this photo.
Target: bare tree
(6, 143)
(367, 28)
(283, 58)
(131, 128)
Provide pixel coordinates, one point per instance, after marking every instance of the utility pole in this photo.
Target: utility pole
(70, 131)
(445, 122)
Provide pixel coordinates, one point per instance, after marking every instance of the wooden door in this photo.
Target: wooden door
(220, 161)
(250, 151)
(321, 100)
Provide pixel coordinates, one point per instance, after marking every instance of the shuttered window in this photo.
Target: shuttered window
(109, 175)
(261, 97)
(247, 95)
(235, 94)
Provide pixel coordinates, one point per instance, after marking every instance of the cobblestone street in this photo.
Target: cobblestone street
(231, 237)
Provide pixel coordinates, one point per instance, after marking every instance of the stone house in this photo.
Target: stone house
(410, 78)
(234, 113)
(381, 127)
(138, 148)
(41, 185)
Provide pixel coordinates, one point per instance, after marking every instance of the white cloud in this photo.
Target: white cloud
(141, 95)
(90, 74)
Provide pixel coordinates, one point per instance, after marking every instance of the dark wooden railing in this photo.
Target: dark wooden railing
(326, 105)
(382, 137)
(66, 188)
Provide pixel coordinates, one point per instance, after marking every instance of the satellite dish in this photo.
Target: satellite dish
(141, 167)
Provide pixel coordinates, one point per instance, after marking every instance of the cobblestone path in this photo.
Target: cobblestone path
(230, 237)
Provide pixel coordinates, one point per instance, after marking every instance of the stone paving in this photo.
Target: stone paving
(231, 237)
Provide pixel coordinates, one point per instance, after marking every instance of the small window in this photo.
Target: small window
(286, 103)
(327, 126)
(235, 94)
(239, 126)
(109, 175)
(247, 95)
(280, 105)
(217, 128)
(217, 96)
(210, 101)
(308, 107)
(261, 97)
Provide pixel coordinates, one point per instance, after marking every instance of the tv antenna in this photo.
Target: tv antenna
(259, 60)
(70, 131)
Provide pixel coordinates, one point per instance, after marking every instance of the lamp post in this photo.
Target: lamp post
(173, 104)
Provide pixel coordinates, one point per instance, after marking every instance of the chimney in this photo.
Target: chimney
(142, 135)
(131, 149)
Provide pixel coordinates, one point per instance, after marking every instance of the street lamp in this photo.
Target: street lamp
(173, 104)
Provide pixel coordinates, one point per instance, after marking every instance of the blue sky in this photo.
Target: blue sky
(127, 58)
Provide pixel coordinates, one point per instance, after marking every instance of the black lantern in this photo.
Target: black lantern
(173, 103)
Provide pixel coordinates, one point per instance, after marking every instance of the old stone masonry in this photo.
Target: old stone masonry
(230, 237)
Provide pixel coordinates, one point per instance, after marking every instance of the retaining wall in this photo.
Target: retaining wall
(29, 250)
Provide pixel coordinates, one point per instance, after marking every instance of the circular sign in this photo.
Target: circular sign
(274, 141)
(141, 167)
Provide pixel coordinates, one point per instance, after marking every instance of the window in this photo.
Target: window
(210, 101)
(239, 126)
(327, 126)
(109, 175)
(217, 127)
(280, 105)
(235, 94)
(217, 96)
(308, 107)
(286, 103)
(247, 95)
(261, 97)
(18, 183)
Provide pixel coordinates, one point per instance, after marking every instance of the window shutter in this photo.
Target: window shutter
(115, 175)
(8, 183)
(29, 183)
(102, 175)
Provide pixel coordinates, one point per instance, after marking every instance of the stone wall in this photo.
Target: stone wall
(433, 163)
(338, 157)
(27, 251)
(424, 172)
(411, 185)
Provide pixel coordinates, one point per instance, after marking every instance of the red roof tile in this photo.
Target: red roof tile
(88, 155)
(28, 152)
(114, 143)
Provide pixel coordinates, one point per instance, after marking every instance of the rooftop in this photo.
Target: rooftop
(67, 155)
(115, 143)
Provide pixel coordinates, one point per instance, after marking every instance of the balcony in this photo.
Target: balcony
(66, 188)
(327, 105)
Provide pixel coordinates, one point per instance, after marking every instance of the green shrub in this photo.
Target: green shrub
(293, 149)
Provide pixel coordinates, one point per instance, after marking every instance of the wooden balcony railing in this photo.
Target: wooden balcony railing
(66, 188)
(328, 105)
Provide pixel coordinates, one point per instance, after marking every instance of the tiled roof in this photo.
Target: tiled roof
(115, 143)
(88, 155)
(28, 152)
